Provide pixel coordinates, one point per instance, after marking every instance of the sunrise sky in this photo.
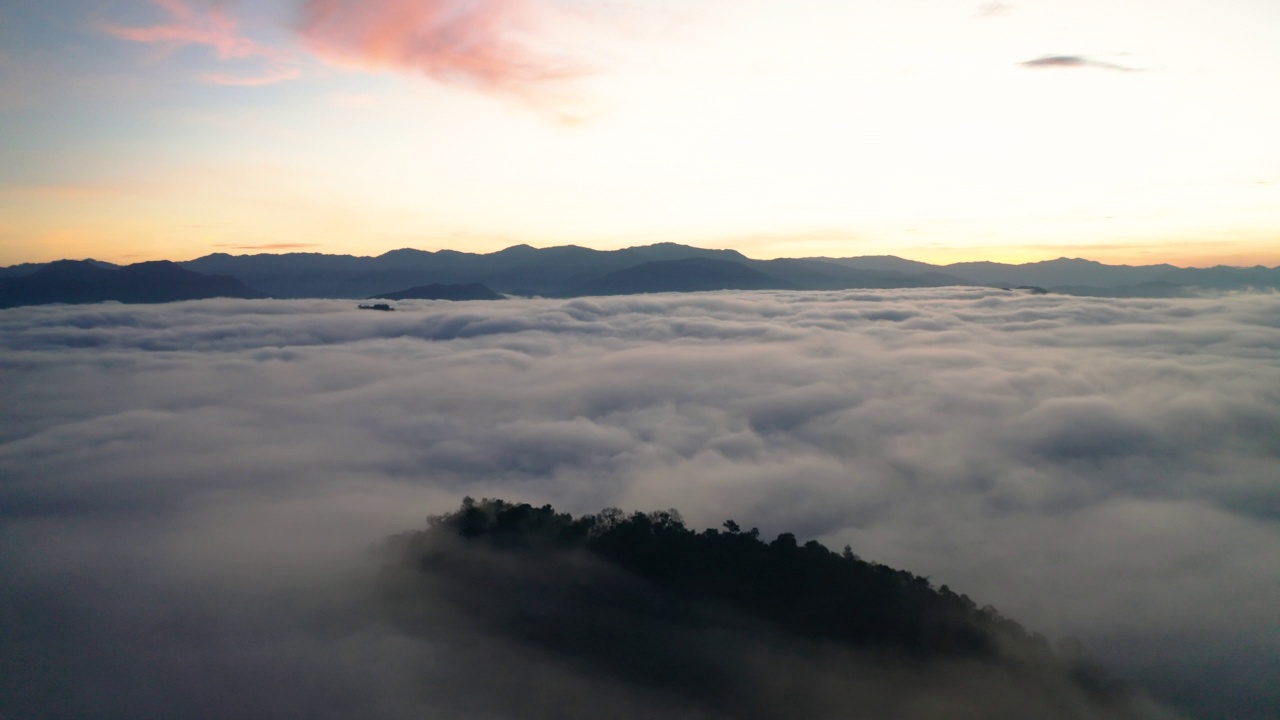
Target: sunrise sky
(1133, 131)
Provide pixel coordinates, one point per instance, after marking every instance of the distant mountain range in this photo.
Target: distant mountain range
(436, 291)
(569, 270)
(88, 281)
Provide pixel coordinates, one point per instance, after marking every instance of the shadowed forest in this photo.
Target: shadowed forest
(723, 622)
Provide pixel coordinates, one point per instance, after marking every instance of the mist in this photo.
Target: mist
(190, 491)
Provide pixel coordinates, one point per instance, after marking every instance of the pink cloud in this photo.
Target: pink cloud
(214, 28)
(271, 77)
(494, 45)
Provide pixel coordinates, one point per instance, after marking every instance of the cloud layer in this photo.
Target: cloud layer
(189, 488)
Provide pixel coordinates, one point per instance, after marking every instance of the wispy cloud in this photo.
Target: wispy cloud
(498, 46)
(993, 8)
(271, 77)
(266, 246)
(1073, 61)
(214, 28)
(353, 100)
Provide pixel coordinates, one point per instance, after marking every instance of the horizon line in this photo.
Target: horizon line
(281, 251)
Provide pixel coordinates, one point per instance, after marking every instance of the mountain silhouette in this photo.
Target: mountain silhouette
(437, 291)
(687, 275)
(814, 274)
(517, 270)
(569, 270)
(1060, 272)
(29, 268)
(86, 281)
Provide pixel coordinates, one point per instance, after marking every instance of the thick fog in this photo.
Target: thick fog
(188, 491)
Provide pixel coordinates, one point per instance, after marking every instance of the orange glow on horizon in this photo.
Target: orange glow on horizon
(137, 242)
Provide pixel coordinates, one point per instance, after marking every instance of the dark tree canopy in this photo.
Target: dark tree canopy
(804, 591)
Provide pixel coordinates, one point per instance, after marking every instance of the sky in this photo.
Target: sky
(1139, 131)
(189, 488)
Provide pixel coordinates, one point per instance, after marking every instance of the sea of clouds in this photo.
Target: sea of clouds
(188, 490)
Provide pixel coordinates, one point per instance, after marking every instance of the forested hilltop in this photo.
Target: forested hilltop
(721, 622)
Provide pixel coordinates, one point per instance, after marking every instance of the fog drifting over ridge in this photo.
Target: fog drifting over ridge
(177, 476)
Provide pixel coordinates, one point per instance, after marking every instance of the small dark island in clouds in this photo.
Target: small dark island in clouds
(570, 271)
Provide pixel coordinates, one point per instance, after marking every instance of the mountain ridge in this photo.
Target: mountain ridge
(437, 291)
(571, 270)
(87, 281)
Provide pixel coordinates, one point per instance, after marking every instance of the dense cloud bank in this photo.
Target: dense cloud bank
(188, 489)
